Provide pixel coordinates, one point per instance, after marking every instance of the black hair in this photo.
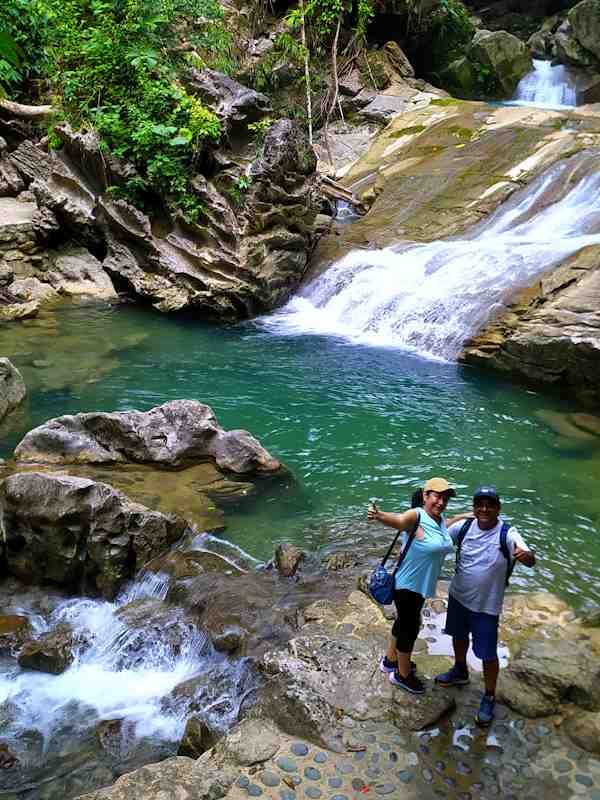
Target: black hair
(417, 499)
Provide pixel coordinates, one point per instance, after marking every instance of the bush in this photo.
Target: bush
(23, 33)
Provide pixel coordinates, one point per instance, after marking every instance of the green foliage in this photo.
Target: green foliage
(114, 64)
(239, 189)
(259, 129)
(23, 32)
(443, 34)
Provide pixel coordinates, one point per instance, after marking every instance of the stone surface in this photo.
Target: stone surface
(506, 56)
(585, 24)
(546, 673)
(583, 727)
(567, 48)
(176, 433)
(288, 558)
(14, 632)
(52, 652)
(78, 534)
(197, 738)
(12, 387)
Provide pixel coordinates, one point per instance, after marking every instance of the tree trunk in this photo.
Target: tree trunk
(333, 103)
(306, 75)
(25, 112)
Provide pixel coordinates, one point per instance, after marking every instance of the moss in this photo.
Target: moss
(431, 149)
(445, 101)
(461, 133)
(413, 129)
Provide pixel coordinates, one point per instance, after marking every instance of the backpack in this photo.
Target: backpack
(510, 562)
(382, 584)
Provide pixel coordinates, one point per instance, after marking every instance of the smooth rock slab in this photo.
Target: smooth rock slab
(12, 387)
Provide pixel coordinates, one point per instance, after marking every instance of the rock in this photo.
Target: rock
(287, 559)
(250, 742)
(233, 103)
(31, 161)
(12, 387)
(32, 290)
(540, 44)
(75, 272)
(52, 652)
(11, 183)
(415, 712)
(568, 50)
(8, 759)
(229, 640)
(197, 738)
(176, 433)
(546, 673)
(343, 560)
(590, 616)
(16, 311)
(583, 728)
(506, 56)
(588, 89)
(14, 631)
(383, 107)
(584, 19)
(398, 59)
(45, 224)
(351, 83)
(77, 533)
(460, 78)
(110, 735)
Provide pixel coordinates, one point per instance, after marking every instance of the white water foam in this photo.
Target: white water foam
(430, 298)
(547, 86)
(125, 671)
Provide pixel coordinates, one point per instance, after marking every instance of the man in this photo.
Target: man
(487, 550)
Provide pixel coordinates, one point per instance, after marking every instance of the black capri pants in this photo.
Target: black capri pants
(408, 620)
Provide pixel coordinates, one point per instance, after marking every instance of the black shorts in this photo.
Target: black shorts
(408, 620)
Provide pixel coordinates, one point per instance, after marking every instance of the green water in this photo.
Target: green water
(351, 422)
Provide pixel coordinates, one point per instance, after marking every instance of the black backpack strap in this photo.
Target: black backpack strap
(411, 535)
(460, 539)
(393, 544)
(510, 561)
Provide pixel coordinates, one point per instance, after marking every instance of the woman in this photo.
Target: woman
(417, 576)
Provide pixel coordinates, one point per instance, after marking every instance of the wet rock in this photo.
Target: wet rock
(546, 673)
(52, 652)
(288, 558)
(590, 615)
(197, 738)
(415, 712)
(12, 387)
(583, 728)
(229, 640)
(175, 433)
(8, 759)
(584, 19)
(110, 735)
(343, 560)
(77, 533)
(506, 56)
(14, 631)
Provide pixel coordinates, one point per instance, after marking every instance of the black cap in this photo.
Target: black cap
(487, 491)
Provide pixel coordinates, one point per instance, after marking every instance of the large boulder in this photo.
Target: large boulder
(548, 672)
(505, 56)
(12, 387)
(583, 728)
(244, 254)
(174, 434)
(51, 652)
(585, 24)
(568, 49)
(77, 533)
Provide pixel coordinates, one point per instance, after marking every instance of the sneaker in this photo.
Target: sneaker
(410, 684)
(486, 713)
(457, 676)
(385, 665)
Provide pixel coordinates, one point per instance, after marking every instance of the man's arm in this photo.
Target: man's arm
(521, 552)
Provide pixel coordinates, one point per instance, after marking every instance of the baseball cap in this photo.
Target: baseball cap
(490, 492)
(439, 485)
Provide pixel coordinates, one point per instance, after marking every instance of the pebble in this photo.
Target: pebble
(339, 797)
(584, 780)
(373, 772)
(287, 764)
(335, 782)
(463, 768)
(347, 627)
(358, 784)
(312, 792)
(299, 749)
(254, 790)
(269, 778)
(243, 781)
(405, 775)
(321, 758)
(595, 794)
(312, 774)
(359, 755)
(371, 738)
(385, 747)
(427, 775)
(384, 788)
(562, 765)
(542, 730)
(343, 767)
(286, 794)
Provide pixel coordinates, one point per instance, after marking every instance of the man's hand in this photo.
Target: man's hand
(525, 557)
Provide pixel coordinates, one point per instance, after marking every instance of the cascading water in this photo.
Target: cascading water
(132, 654)
(548, 86)
(430, 298)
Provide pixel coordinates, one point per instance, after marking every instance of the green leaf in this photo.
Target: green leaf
(179, 141)
(9, 49)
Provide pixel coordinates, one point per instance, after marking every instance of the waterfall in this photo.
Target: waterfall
(548, 86)
(430, 298)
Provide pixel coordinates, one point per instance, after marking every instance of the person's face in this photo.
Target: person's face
(486, 512)
(435, 503)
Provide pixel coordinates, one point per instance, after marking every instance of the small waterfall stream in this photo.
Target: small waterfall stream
(547, 86)
(430, 298)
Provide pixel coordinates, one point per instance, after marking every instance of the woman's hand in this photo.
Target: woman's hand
(372, 512)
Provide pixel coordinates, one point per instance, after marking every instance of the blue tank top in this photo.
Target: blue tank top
(421, 568)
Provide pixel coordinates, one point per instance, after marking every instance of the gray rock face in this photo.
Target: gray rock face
(547, 673)
(52, 652)
(585, 24)
(12, 387)
(77, 533)
(506, 56)
(246, 252)
(567, 48)
(173, 434)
